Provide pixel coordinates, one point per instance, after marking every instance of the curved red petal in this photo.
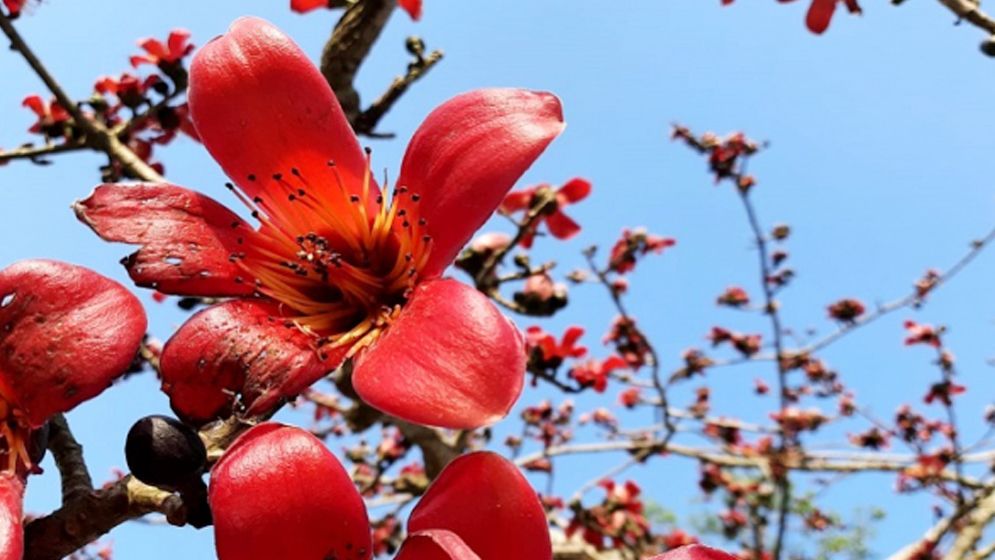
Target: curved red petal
(279, 493)
(188, 240)
(485, 500)
(413, 7)
(302, 6)
(66, 333)
(695, 552)
(261, 108)
(435, 544)
(466, 156)
(466, 378)
(11, 514)
(561, 225)
(820, 13)
(240, 346)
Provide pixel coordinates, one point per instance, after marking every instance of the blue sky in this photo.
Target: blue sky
(880, 145)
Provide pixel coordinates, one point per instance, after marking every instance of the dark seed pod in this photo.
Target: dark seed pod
(164, 452)
(38, 444)
(988, 46)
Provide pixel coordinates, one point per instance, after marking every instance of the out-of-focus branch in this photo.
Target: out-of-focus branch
(810, 462)
(970, 534)
(98, 137)
(37, 153)
(936, 533)
(68, 455)
(347, 48)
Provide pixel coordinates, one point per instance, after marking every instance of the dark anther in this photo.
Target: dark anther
(255, 214)
(277, 176)
(296, 172)
(402, 212)
(235, 224)
(257, 200)
(354, 198)
(230, 186)
(379, 199)
(415, 197)
(331, 163)
(291, 197)
(252, 177)
(422, 221)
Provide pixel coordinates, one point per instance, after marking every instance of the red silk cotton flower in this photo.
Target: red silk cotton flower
(338, 268)
(468, 512)
(560, 225)
(66, 333)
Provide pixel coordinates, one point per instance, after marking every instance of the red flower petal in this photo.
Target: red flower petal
(561, 225)
(820, 13)
(66, 333)
(302, 6)
(573, 191)
(239, 346)
(485, 500)
(261, 108)
(466, 156)
(279, 493)
(413, 7)
(695, 552)
(450, 359)
(435, 544)
(11, 504)
(187, 238)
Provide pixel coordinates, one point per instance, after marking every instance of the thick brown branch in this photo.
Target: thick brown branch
(91, 515)
(348, 47)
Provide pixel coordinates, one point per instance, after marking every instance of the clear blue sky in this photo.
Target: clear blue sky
(880, 159)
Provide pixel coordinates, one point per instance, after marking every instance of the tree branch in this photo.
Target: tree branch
(98, 137)
(68, 455)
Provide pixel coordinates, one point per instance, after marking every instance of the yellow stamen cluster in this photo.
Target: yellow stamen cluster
(341, 266)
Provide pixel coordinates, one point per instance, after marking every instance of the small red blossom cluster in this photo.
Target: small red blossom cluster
(618, 519)
(846, 311)
(725, 155)
(734, 296)
(634, 244)
(746, 344)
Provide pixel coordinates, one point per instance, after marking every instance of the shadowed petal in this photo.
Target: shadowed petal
(187, 239)
(11, 504)
(451, 360)
(485, 500)
(435, 544)
(466, 156)
(261, 107)
(66, 333)
(279, 493)
(240, 346)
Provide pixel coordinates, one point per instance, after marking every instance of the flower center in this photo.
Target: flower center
(342, 261)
